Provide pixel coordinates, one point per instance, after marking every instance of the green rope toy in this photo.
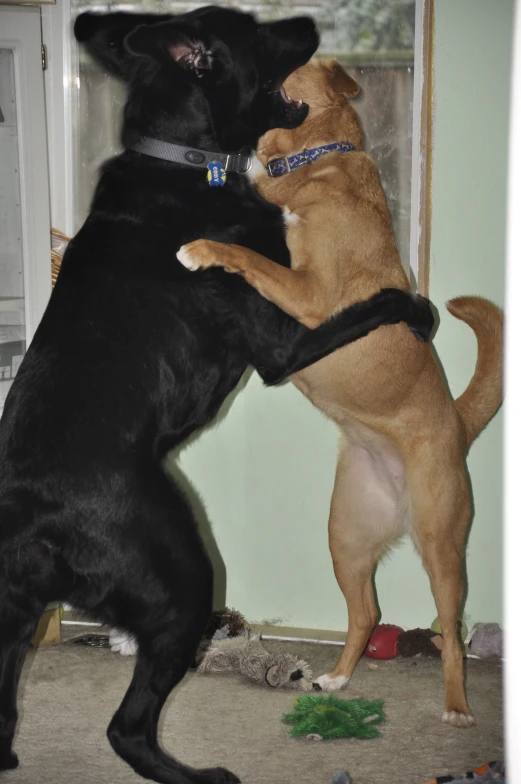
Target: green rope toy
(330, 717)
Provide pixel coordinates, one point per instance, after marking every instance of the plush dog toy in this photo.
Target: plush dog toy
(487, 641)
(247, 655)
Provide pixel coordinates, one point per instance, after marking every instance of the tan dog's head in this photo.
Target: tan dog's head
(325, 86)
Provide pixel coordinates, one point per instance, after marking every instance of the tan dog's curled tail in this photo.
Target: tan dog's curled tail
(483, 396)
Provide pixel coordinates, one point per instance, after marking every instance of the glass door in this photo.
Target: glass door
(12, 299)
(24, 197)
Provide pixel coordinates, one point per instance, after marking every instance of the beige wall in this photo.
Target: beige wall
(265, 472)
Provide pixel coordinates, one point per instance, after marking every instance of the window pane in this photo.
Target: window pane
(374, 41)
(12, 303)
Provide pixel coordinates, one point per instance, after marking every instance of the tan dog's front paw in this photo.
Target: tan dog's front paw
(191, 256)
(185, 257)
(202, 254)
(330, 683)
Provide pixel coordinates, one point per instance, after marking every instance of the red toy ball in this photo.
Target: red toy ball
(383, 642)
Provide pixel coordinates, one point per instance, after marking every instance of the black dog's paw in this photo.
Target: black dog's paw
(271, 377)
(218, 776)
(8, 760)
(413, 309)
(422, 319)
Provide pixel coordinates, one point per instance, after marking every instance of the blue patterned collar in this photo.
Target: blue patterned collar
(279, 166)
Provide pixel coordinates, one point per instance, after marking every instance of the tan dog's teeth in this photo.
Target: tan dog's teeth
(299, 104)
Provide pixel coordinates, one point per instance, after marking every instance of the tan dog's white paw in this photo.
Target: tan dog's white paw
(455, 719)
(187, 259)
(326, 683)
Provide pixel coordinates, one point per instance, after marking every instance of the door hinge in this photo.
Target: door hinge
(44, 57)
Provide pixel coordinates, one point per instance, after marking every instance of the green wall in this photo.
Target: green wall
(472, 81)
(264, 473)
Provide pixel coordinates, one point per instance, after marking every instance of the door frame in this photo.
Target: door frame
(21, 32)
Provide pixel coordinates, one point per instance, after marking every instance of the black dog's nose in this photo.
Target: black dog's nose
(317, 687)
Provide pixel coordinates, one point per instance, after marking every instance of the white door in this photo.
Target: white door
(25, 275)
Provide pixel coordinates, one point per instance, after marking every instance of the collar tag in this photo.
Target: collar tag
(216, 174)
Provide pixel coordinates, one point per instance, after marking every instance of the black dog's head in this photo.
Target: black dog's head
(211, 76)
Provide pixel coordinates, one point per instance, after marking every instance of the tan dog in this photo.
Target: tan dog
(401, 467)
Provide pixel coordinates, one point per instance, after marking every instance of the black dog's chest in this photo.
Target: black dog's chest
(126, 315)
(232, 213)
(125, 306)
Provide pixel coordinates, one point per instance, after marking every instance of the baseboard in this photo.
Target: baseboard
(299, 634)
(73, 617)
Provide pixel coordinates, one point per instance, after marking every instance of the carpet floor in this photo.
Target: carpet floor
(68, 694)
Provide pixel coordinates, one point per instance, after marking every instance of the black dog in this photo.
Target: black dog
(134, 353)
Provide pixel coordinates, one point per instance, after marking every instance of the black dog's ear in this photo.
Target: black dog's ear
(104, 36)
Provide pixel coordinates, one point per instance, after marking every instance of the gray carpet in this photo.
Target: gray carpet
(69, 693)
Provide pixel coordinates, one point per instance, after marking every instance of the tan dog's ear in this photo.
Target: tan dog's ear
(340, 81)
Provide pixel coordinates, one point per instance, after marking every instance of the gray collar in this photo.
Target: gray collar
(191, 156)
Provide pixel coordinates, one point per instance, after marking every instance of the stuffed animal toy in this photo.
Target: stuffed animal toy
(330, 717)
(462, 627)
(491, 773)
(231, 620)
(419, 641)
(487, 641)
(247, 655)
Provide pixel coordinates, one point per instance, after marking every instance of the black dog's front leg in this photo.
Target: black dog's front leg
(295, 347)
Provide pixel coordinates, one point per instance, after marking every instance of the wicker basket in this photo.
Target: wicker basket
(58, 244)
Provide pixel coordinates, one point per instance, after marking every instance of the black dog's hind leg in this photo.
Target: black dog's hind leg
(18, 622)
(133, 730)
(168, 614)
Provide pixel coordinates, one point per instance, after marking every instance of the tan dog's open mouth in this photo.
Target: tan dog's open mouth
(288, 98)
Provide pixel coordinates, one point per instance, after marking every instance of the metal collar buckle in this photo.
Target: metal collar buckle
(278, 166)
(249, 164)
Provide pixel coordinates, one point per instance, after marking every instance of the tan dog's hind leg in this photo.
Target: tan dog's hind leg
(367, 512)
(441, 509)
(299, 293)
